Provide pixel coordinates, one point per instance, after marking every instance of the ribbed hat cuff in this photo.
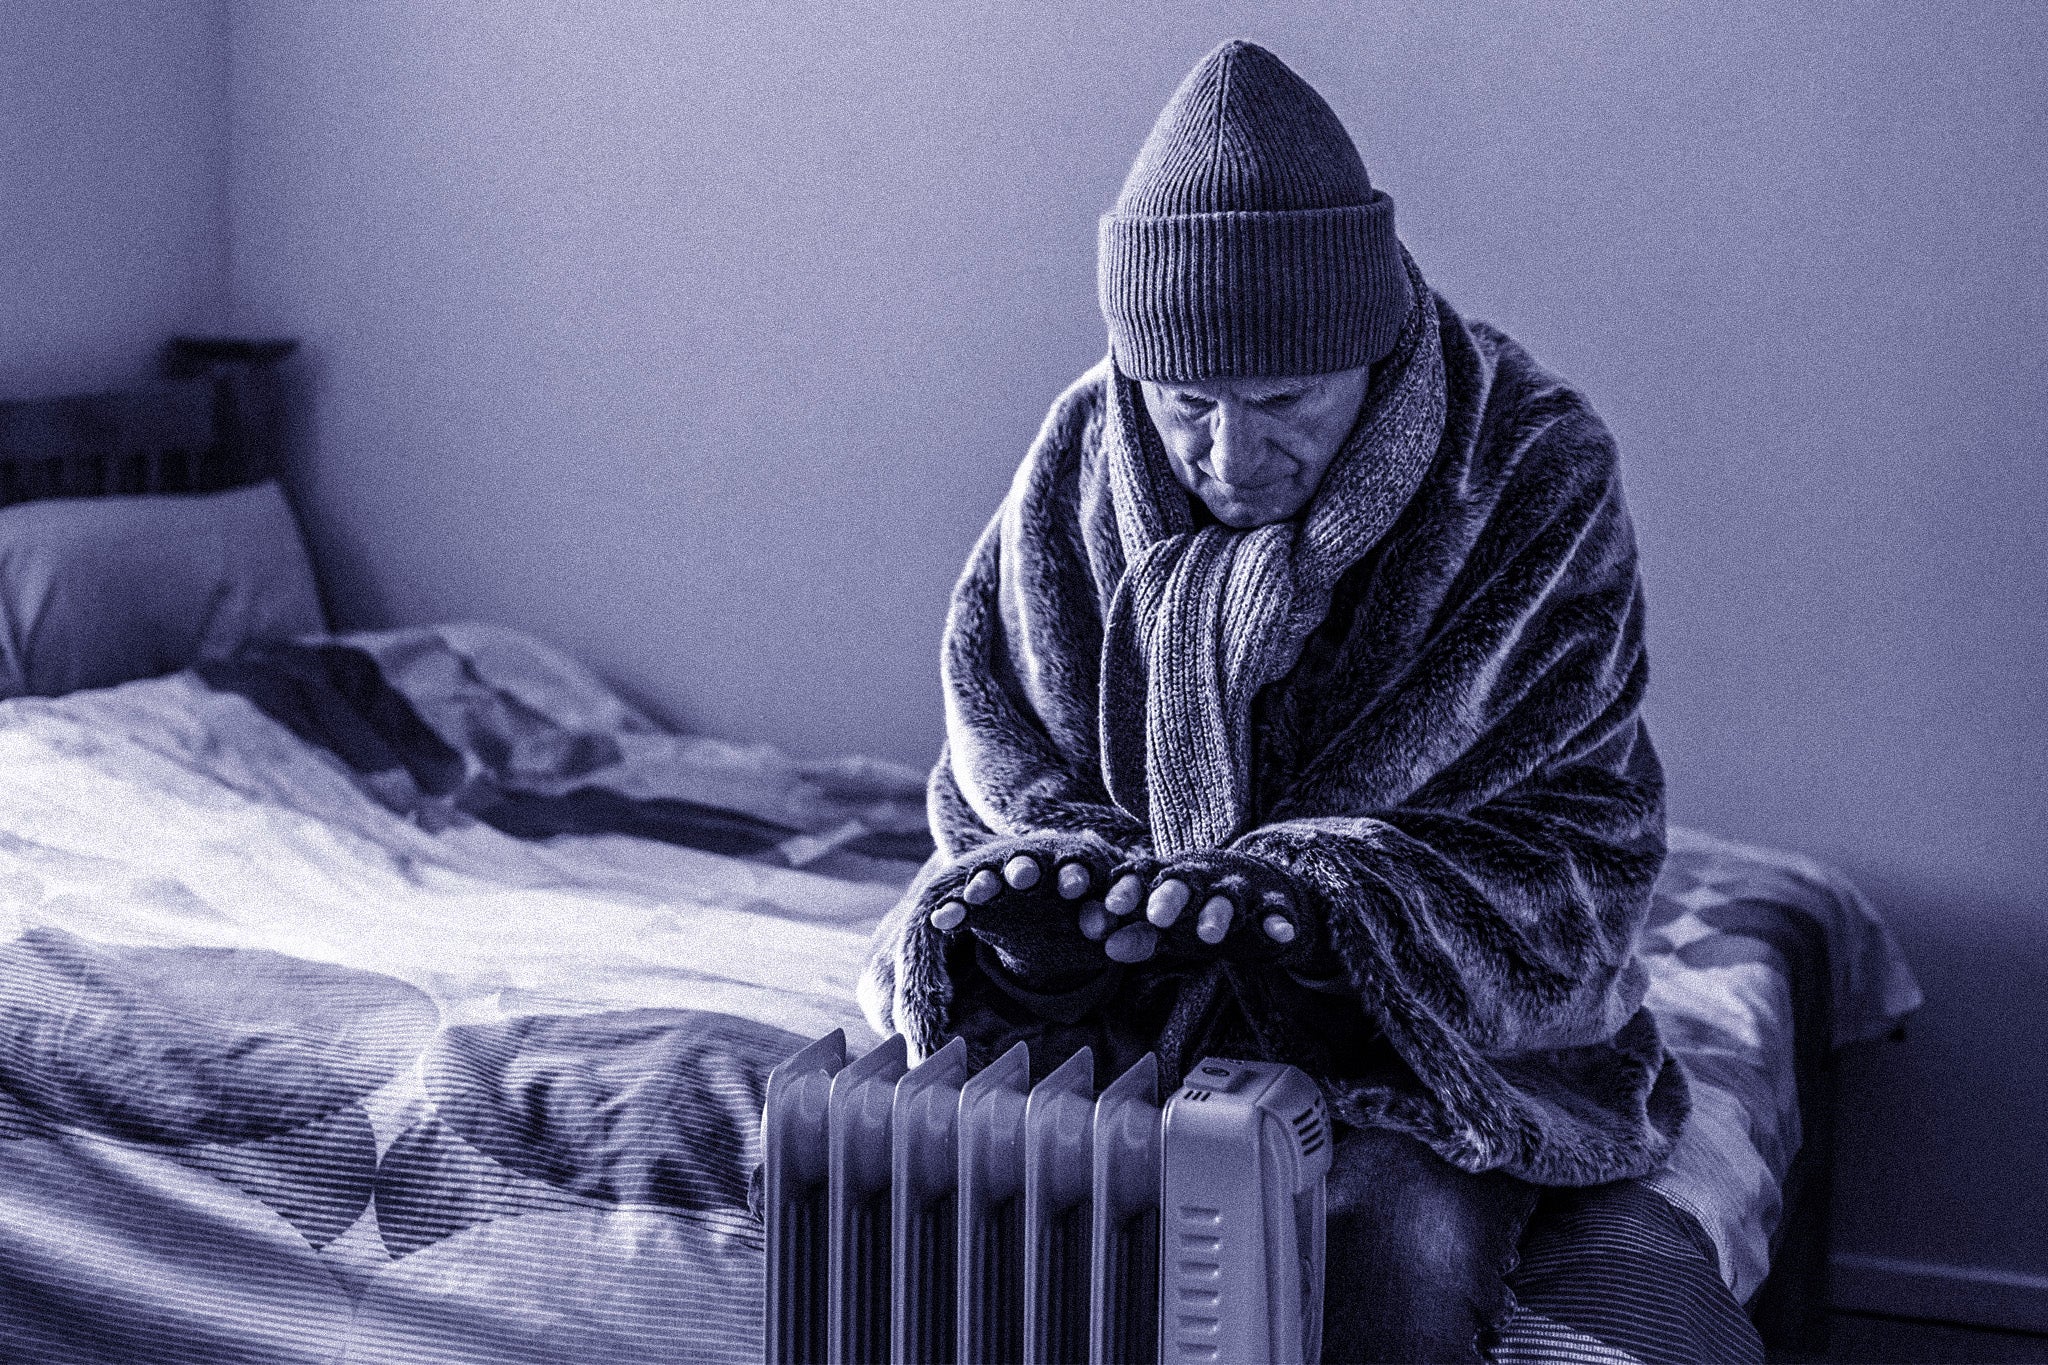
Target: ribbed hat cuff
(1234, 295)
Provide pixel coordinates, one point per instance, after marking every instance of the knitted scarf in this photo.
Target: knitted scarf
(1209, 617)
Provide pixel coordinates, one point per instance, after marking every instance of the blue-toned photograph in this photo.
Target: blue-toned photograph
(967, 684)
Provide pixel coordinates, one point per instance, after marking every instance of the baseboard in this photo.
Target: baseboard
(1974, 1295)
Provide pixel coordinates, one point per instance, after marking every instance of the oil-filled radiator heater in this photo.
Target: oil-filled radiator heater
(924, 1214)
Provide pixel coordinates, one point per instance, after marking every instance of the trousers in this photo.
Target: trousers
(1419, 1252)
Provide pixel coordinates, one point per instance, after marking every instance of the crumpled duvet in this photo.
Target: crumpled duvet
(302, 1061)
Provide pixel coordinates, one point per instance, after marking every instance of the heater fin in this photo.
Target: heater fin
(863, 1096)
(924, 1175)
(795, 1129)
(1124, 1219)
(991, 1307)
(1059, 1141)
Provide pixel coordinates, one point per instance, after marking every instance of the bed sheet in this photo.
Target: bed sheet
(408, 996)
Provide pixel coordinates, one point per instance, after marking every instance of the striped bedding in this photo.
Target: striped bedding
(408, 997)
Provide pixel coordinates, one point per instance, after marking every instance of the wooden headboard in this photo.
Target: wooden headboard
(215, 422)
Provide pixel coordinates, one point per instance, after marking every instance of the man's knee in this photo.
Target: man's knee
(1391, 1188)
(1418, 1251)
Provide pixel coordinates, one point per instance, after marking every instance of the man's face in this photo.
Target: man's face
(1254, 450)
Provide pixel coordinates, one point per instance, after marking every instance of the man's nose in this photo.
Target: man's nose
(1237, 449)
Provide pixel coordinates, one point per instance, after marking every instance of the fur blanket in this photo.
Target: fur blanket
(1418, 699)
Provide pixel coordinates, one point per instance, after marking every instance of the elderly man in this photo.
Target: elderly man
(1291, 704)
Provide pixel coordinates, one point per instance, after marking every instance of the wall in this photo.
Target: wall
(113, 182)
(702, 340)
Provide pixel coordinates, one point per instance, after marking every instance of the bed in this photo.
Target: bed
(409, 996)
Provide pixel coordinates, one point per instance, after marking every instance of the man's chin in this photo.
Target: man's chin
(1243, 514)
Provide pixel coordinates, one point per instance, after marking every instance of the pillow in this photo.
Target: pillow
(98, 591)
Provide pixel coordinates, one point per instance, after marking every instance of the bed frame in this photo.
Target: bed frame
(216, 421)
(1790, 1309)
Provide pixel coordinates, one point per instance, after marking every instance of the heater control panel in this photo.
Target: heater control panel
(1245, 1153)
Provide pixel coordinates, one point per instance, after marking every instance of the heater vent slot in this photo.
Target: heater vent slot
(1309, 1130)
(867, 1334)
(1064, 1325)
(934, 1330)
(997, 1285)
(801, 1227)
(1133, 1327)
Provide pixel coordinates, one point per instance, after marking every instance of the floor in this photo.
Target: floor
(1867, 1339)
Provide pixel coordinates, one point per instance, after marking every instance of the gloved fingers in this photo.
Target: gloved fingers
(1095, 921)
(985, 886)
(1273, 926)
(1133, 943)
(1125, 895)
(1082, 873)
(1212, 899)
(1234, 900)
(1220, 894)
(1129, 882)
(1002, 879)
(1076, 864)
(1163, 907)
(1188, 885)
(952, 912)
(1279, 917)
(990, 877)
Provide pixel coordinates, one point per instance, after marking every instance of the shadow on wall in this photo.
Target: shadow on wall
(1934, 1130)
(113, 159)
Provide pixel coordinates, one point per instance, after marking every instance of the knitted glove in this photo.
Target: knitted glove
(1024, 900)
(1218, 904)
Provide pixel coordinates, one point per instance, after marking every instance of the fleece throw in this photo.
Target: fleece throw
(1418, 700)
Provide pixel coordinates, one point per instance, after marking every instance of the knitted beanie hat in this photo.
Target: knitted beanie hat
(1247, 240)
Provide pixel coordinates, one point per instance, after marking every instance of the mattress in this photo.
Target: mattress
(408, 996)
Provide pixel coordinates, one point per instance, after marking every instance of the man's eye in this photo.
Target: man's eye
(1279, 400)
(1193, 402)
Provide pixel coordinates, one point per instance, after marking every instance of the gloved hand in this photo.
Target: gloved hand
(1218, 904)
(1028, 901)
